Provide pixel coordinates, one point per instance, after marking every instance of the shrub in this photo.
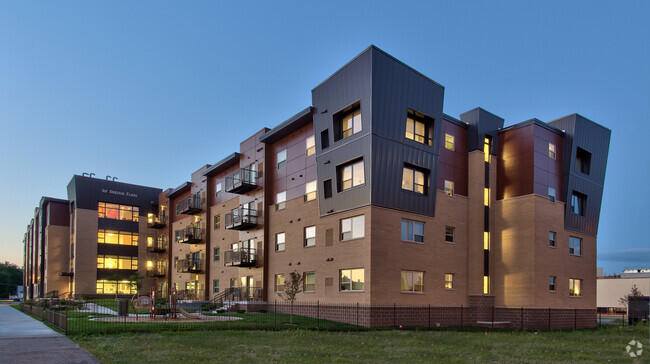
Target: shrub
(262, 310)
(240, 311)
(221, 310)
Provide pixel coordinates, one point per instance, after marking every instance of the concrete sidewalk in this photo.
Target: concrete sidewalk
(26, 340)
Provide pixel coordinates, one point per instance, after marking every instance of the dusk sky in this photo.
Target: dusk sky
(150, 91)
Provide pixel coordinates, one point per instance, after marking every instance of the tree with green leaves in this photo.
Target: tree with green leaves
(136, 281)
(292, 287)
(634, 293)
(11, 276)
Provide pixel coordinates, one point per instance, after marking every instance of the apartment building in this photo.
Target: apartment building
(376, 196)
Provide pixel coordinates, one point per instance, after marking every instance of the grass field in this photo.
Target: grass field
(407, 346)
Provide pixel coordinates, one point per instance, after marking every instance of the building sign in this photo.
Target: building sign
(119, 193)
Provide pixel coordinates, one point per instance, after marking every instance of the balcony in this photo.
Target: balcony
(190, 205)
(189, 266)
(244, 257)
(241, 219)
(158, 268)
(156, 222)
(159, 245)
(192, 234)
(241, 181)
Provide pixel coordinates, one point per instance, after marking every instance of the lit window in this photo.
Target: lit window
(583, 161)
(217, 222)
(413, 180)
(309, 282)
(350, 123)
(449, 188)
(449, 280)
(486, 285)
(551, 150)
(215, 286)
(486, 240)
(217, 254)
(351, 279)
(351, 175)
(310, 236)
(574, 287)
(578, 203)
(280, 200)
(279, 242)
(117, 262)
(352, 228)
(218, 189)
(412, 231)
(486, 197)
(575, 245)
(310, 191)
(233, 282)
(279, 282)
(450, 142)
(412, 281)
(551, 194)
(282, 159)
(551, 238)
(449, 234)
(117, 237)
(486, 149)
(417, 128)
(310, 145)
(551, 283)
(117, 212)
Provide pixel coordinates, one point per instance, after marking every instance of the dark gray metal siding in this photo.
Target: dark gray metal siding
(584, 133)
(86, 192)
(482, 123)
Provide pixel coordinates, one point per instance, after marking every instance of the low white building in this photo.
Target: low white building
(610, 289)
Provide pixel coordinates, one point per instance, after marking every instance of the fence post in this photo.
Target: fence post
(461, 315)
(522, 317)
(318, 315)
(394, 315)
(492, 317)
(275, 314)
(429, 315)
(575, 319)
(549, 319)
(600, 319)
(357, 315)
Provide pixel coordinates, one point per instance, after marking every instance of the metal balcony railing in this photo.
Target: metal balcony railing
(190, 205)
(241, 181)
(241, 219)
(156, 222)
(159, 245)
(192, 234)
(158, 269)
(243, 257)
(189, 266)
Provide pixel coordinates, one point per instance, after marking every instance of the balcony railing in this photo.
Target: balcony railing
(189, 266)
(241, 181)
(156, 222)
(243, 257)
(159, 245)
(241, 219)
(192, 234)
(158, 269)
(190, 205)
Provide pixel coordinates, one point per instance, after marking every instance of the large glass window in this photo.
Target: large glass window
(450, 142)
(352, 228)
(117, 262)
(309, 282)
(351, 279)
(117, 212)
(416, 130)
(351, 123)
(351, 175)
(578, 201)
(279, 242)
(412, 281)
(414, 180)
(310, 191)
(310, 146)
(412, 231)
(575, 245)
(575, 287)
(310, 236)
(279, 282)
(113, 287)
(117, 237)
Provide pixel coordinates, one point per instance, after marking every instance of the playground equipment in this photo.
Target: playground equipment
(168, 308)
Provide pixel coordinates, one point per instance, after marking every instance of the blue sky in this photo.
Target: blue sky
(114, 87)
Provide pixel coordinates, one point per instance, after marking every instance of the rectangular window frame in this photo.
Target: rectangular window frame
(280, 283)
(280, 241)
(552, 283)
(409, 277)
(281, 159)
(350, 286)
(575, 287)
(280, 201)
(552, 239)
(415, 179)
(310, 146)
(551, 194)
(309, 236)
(351, 175)
(216, 254)
(575, 246)
(309, 282)
(449, 281)
(449, 188)
(450, 142)
(552, 151)
(311, 190)
(410, 235)
(450, 234)
(352, 234)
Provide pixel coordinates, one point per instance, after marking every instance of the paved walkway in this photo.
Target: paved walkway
(26, 340)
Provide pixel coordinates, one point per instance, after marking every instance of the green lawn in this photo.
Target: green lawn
(406, 346)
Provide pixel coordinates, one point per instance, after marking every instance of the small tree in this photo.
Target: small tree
(292, 287)
(634, 292)
(115, 278)
(136, 281)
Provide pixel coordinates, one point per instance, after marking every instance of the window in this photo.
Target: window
(282, 159)
(215, 286)
(417, 128)
(310, 191)
(310, 145)
(449, 188)
(351, 279)
(574, 287)
(351, 175)
(412, 281)
(112, 287)
(551, 283)
(551, 150)
(310, 236)
(117, 262)
(327, 188)
(352, 228)
(486, 197)
(414, 180)
(551, 194)
(280, 200)
(217, 254)
(309, 282)
(583, 161)
(449, 234)
(450, 142)
(350, 123)
(117, 212)
(412, 231)
(578, 201)
(575, 245)
(117, 237)
(449, 280)
(279, 242)
(279, 282)
(217, 222)
(218, 189)
(487, 142)
(551, 238)
(233, 282)
(486, 240)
